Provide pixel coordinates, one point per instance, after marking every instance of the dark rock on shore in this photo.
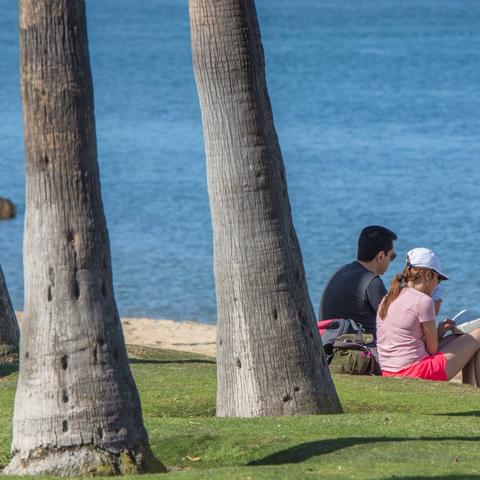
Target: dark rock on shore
(7, 209)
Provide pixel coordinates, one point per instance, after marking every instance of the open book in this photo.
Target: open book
(466, 320)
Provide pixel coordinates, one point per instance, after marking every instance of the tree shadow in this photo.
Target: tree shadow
(437, 477)
(7, 369)
(472, 413)
(304, 451)
(169, 362)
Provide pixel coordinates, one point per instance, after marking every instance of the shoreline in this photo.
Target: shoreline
(185, 336)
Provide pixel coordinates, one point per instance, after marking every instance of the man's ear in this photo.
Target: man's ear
(380, 256)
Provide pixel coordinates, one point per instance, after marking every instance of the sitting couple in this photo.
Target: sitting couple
(409, 343)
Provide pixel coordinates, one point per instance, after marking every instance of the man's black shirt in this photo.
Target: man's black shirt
(353, 292)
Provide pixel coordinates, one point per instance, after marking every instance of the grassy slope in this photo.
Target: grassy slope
(391, 429)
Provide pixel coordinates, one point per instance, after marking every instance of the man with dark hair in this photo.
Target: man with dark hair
(356, 289)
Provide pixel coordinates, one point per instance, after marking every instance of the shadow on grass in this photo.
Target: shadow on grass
(8, 368)
(304, 451)
(472, 413)
(437, 477)
(170, 362)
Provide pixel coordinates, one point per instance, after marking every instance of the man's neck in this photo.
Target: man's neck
(370, 266)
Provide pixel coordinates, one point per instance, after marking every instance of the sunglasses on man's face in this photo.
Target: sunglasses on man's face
(393, 256)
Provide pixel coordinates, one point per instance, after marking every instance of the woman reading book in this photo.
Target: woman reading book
(408, 341)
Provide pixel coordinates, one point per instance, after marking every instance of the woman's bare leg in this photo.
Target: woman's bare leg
(459, 351)
(443, 342)
(477, 368)
(469, 372)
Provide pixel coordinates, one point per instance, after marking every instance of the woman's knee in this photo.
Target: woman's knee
(475, 334)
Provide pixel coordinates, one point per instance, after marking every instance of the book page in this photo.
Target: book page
(466, 320)
(465, 316)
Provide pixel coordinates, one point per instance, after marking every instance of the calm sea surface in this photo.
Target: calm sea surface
(377, 107)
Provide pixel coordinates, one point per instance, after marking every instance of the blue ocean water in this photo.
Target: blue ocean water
(376, 106)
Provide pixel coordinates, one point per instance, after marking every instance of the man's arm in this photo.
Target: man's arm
(375, 292)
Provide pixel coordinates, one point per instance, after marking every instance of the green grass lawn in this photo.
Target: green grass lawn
(391, 428)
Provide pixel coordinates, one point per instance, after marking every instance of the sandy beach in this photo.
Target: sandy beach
(186, 336)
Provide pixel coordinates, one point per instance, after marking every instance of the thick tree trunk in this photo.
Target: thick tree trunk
(9, 334)
(269, 353)
(77, 410)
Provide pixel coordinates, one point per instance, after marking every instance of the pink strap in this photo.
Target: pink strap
(323, 324)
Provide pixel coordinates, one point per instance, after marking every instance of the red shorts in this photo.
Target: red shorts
(428, 368)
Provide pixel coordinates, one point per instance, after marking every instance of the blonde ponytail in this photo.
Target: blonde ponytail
(393, 293)
(400, 280)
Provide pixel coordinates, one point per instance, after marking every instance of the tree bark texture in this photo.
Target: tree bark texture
(77, 409)
(9, 333)
(269, 353)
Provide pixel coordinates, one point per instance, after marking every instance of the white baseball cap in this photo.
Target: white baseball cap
(425, 258)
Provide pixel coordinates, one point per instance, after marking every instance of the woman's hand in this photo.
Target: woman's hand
(445, 326)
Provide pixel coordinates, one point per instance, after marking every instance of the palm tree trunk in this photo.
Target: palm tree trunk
(77, 409)
(269, 353)
(9, 333)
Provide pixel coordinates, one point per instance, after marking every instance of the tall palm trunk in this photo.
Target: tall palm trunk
(77, 410)
(9, 333)
(269, 353)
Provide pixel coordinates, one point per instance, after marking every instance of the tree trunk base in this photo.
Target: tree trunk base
(84, 461)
